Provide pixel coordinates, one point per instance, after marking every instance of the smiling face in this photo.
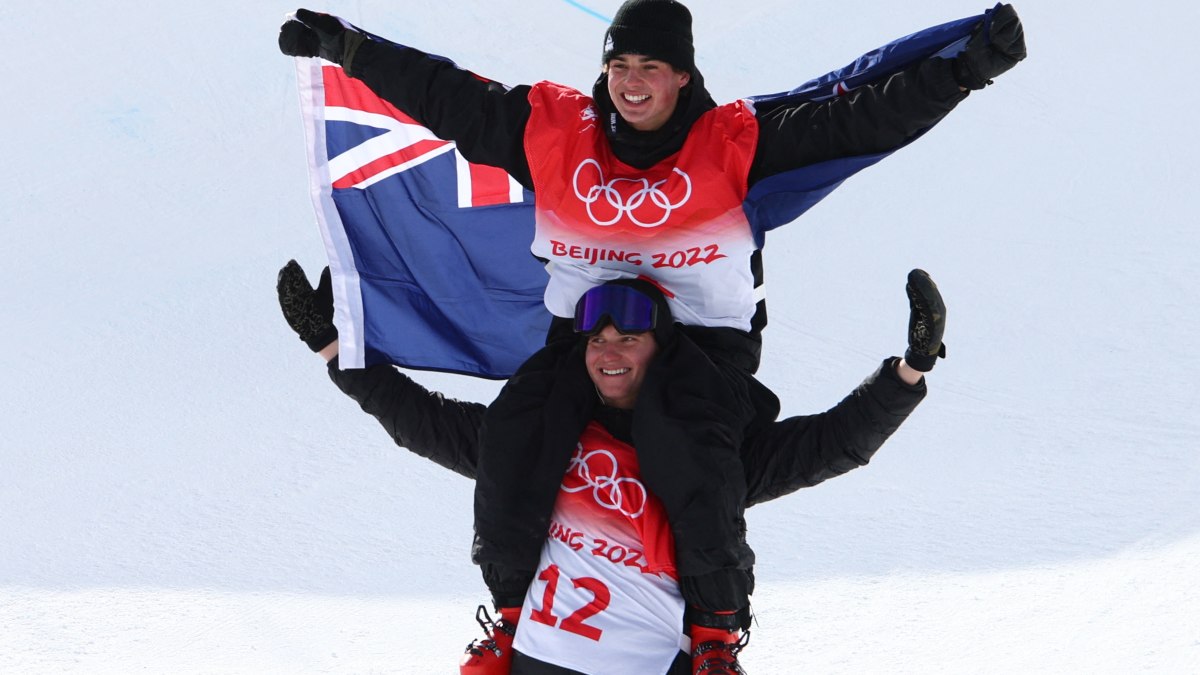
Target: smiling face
(617, 364)
(644, 90)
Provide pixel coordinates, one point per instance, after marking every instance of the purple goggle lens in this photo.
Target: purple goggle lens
(631, 311)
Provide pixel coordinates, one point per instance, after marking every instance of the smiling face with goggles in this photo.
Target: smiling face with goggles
(618, 322)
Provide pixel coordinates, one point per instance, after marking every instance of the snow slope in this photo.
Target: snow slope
(183, 491)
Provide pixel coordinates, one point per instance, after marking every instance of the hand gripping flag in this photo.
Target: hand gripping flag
(429, 254)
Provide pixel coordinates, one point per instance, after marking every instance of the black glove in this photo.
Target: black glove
(308, 312)
(991, 54)
(313, 34)
(926, 322)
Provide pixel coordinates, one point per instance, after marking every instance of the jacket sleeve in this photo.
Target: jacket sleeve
(427, 423)
(873, 118)
(485, 119)
(803, 451)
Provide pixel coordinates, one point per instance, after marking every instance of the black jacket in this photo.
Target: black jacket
(779, 458)
(487, 119)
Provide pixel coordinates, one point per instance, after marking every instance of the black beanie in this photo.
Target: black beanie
(656, 29)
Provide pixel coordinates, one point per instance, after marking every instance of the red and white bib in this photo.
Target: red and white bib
(606, 598)
(679, 222)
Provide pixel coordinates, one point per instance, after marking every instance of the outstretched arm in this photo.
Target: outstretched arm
(805, 450)
(884, 115)
(440, 429)
(443, 430)
(873, 118)
(485, 119)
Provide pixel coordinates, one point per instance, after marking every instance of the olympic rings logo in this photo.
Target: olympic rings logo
(620, 199)
(597, 470)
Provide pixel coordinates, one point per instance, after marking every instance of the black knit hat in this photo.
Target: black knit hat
(656, 29)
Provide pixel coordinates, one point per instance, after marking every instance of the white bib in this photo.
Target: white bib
(606, 597)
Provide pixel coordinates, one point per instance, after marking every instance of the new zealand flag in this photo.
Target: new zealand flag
(429, 254)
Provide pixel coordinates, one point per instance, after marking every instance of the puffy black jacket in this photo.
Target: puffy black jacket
(779, 458)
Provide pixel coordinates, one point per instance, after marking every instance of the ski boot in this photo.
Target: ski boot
(491, 655)
(715, 650)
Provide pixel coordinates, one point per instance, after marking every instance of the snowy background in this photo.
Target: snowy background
(182, 490)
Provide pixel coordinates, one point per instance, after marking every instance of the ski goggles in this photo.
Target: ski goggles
(631, 311)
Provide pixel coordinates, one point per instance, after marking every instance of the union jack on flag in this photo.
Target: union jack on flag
(429, 254)
(404, 144)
